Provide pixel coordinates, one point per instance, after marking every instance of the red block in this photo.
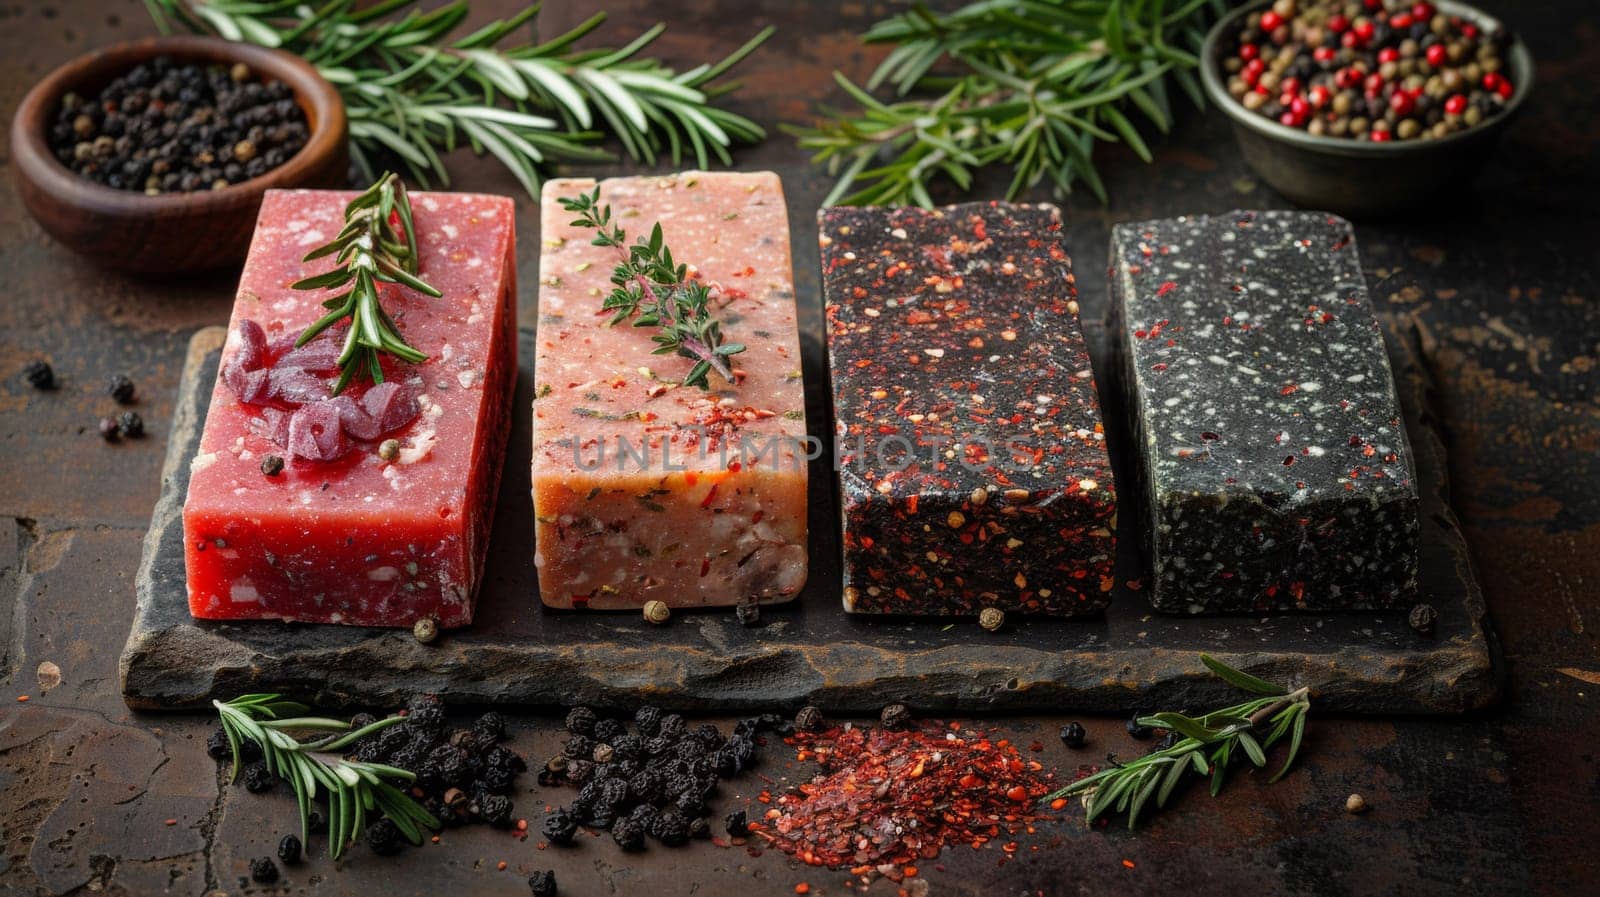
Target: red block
(362, 540)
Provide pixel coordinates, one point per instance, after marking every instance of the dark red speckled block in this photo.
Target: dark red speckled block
(972, 456)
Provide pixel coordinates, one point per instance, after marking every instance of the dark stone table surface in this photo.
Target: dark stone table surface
(1502, 280)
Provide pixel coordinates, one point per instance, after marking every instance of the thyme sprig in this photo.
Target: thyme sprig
(1027, 84)
(1207, 746)
(655, 291)
(354, 789)
(377, 245)
(415, 91)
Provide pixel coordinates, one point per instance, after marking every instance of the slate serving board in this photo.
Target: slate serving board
(810, 650)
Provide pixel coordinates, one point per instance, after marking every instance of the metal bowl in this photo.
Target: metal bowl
(1359, 178)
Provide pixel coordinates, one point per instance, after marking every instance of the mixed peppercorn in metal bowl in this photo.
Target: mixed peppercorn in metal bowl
(1373, 70)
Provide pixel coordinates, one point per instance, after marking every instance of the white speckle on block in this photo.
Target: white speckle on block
(244, 593)
(201, 462)
(383, 574)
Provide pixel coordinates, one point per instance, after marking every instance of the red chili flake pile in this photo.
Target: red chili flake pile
(893, 797)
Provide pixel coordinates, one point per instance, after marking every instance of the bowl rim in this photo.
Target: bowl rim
(35, 160)
(1518, 56)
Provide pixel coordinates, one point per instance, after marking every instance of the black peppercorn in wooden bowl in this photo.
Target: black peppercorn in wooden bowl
(1361, 178)
(173, 231)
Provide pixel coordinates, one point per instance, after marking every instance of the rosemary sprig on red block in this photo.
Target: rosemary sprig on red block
(377, 245)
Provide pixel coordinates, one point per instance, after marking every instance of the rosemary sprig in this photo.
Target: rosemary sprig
(414, 91)
(1209, 744)
(377, 245)
(1027, 84)
(354, 789)
(656, 292)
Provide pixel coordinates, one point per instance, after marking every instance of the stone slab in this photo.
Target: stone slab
(811, 651)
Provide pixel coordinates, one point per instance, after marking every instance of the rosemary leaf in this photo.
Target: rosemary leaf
(654, 291)
(352, 787)
(372, 248)
(413, 93)
(1029, 85)
(1253, 727)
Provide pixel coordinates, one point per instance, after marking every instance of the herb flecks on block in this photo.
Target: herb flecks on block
(1206, 745)
(415, 91)
(1028, 85)
(654, 291)
(378, 245)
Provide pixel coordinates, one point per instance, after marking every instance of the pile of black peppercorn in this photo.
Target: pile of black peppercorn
(463, 775)
(654, 781)
(166, 127)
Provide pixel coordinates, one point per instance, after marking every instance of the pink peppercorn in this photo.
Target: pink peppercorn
(1438, 55)
(1456, 105)
(1422, 12)
(1248, 52)
(1270, 21)
(1388, 54)
(1337, 24)
(1403, 103)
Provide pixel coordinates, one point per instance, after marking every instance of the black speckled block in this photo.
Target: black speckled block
(972, 459)
(1273, 456)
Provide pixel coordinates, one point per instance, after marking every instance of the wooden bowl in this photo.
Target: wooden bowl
(169, 232)
(1358, 178)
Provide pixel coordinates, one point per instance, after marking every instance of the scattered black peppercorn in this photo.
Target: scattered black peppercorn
(1073, 735)
(608, 729)
(1423, 619)
(120, 388)
(1137, 729)
(628, 834)
(263, 870)
(700, 828)
(748, 613)
(383, 838)
(109, 431)
(647, 720)
(496, 810)
(130, 424)
(737, 823)
(560, 827)
(425, 714)
(39, 375)
(257, 778)
(272, 465)
(289, 850)
(895, 717)
(542, 884)
(809, 719)
(217, 746)
(581, 721)
(491, 726)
